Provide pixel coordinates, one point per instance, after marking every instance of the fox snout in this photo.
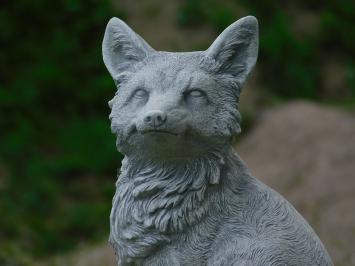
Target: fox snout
(169, 121)
(154, 119)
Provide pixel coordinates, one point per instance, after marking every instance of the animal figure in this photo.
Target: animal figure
(183, 196)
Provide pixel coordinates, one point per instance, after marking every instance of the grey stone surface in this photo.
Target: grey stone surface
(184, 197)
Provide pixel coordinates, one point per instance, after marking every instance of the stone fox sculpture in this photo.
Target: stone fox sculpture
(183, 196)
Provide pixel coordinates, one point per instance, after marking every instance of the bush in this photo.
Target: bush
(57, 152)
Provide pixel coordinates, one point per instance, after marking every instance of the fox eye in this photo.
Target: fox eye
(196, 93)
(140, 94)
(195, 96)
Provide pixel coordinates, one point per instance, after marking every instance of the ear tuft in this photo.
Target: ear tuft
(122, 47)
(236, 48)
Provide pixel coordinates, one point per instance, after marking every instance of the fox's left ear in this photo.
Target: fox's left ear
(236, 48)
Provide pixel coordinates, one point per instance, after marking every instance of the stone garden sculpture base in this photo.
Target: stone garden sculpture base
(183, 196)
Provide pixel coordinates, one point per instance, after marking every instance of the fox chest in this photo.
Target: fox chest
(176, 256)
(137, 242)
(131, 235)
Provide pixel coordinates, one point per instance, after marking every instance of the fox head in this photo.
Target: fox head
(177, 104)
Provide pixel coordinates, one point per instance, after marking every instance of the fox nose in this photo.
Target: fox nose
(155, 118)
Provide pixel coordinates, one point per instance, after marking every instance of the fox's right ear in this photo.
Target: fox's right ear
(122, 47)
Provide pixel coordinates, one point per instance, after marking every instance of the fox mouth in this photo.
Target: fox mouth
(158, 131)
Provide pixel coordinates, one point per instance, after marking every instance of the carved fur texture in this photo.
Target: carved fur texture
(183, 195)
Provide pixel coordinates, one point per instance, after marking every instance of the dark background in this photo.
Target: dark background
(57, 156)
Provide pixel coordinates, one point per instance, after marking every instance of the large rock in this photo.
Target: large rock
(306, 152)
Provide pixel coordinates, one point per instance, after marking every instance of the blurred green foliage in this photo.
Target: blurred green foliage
(56, 151)
(298, 40)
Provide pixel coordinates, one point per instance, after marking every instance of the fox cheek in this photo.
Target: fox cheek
(179, 116)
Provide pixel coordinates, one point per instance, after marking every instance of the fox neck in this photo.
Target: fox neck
(156, 199)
